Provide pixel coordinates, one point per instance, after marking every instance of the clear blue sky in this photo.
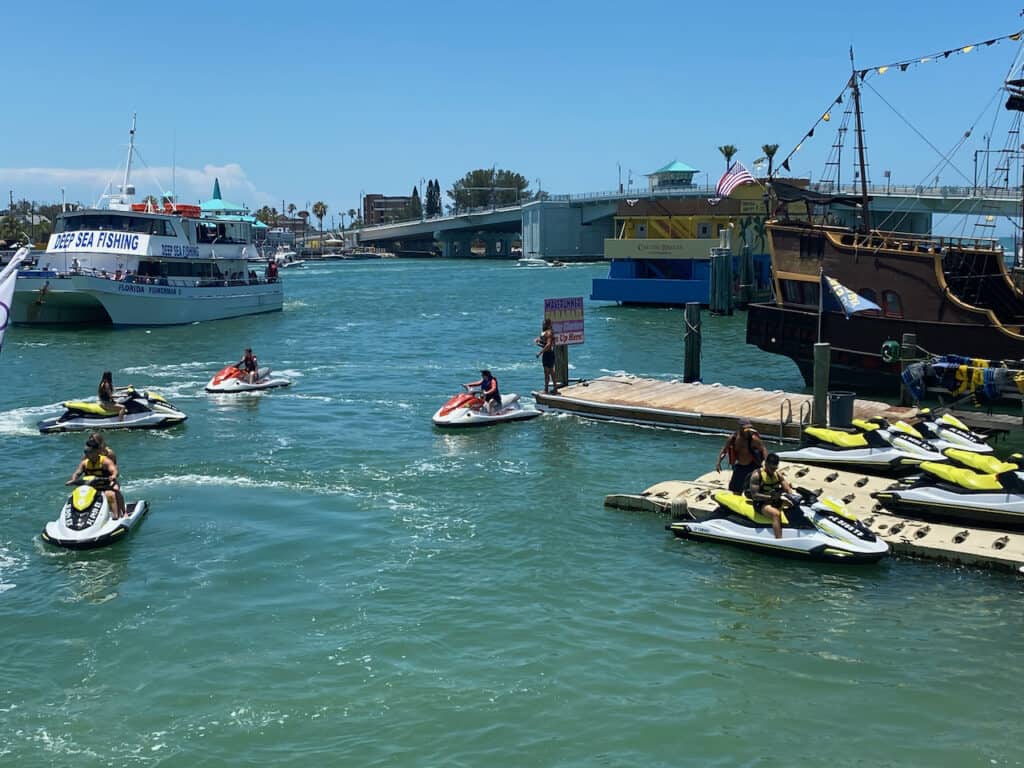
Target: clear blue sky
(322, 101)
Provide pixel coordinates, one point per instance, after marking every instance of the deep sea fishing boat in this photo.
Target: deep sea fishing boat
(126, 263)
(955, 293)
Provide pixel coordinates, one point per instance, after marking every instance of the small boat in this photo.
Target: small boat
(232, 379)
(85, 521)
(813, 528)
(875, 451)
(466, 409)
(532, 261)
(143, 410)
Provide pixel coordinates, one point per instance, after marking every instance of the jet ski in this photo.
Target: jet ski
(947, 431)
(467, 410)
(232, 379)
(143, 410)
(874, 450)
(813, 528)
(85, 520)
(993, 498)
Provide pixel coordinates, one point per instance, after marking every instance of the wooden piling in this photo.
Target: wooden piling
(908, 354)
(561, 365)
(691, 343)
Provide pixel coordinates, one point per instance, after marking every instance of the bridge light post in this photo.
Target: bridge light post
(888, 182)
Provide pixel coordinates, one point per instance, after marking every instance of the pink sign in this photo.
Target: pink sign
(566, 319)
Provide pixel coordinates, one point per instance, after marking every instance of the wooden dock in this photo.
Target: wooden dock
(699, 407)
(915, 538)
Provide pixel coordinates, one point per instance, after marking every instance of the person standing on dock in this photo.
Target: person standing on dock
(745, 451)
(546, 342)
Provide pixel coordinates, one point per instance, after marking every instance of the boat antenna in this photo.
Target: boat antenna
(855, 88)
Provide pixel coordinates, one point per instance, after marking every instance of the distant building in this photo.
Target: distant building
(675, 175)
(380, 209)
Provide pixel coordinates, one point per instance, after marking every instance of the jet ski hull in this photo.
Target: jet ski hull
(475, 416)
(103, 534)
(985, 509)
(799, 543)
(130, 421)
(888, 462)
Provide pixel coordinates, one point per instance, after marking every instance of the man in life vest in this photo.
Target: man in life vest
(766, 488)
(99, 465)
(745, 451)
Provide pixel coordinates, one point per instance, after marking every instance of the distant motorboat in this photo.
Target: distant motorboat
(532, 261)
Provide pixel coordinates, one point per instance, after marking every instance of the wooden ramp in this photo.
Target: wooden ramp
(936, 541)
(700, 407)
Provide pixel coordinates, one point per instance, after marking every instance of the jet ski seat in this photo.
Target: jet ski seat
(741, 505)
(985, 463)
(87, 407)
(837, 437)
(965, 478)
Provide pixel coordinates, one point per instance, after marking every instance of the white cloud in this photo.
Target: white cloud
(85, 185)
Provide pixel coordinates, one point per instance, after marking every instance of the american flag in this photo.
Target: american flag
(732, 178)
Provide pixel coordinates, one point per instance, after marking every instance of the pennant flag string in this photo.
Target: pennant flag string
(906, 63)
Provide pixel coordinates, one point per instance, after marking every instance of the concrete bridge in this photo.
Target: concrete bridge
(574, 227)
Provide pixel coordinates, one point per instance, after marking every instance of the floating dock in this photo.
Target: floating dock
(700, 407)
(915, 538)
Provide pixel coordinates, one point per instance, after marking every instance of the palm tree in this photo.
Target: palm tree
(728, 151)
(769, 152)
(352, 217)
(320, 210)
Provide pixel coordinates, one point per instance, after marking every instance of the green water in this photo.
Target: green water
(325, 579)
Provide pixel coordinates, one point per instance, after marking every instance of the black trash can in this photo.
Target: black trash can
(840, 409)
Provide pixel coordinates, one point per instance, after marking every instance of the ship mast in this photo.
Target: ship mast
(128, 164)
(865, 213)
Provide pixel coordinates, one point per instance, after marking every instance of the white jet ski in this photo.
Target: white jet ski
(813, 528)
(875, 450)
(143, 410)
(947, 431)
(991, 498)
(467, 410)
(232, 379)
(85, 520)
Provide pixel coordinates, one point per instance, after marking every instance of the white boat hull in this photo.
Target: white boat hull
(90, 299)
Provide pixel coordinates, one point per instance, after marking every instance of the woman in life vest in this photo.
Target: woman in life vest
(488, 389)
(97, 464)
(766, 488)
(546, 342)
(745, 451)
(249, 364)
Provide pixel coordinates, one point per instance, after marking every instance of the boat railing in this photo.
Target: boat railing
(232, 279)
(897, 241)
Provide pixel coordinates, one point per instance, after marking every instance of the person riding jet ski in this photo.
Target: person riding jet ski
(99, 465)
(142, 410)
(488, 386)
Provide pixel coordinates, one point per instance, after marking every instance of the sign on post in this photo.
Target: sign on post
(566, 317)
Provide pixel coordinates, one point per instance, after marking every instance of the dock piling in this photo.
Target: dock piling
(822, 361)
(908, 353)
(691, 343)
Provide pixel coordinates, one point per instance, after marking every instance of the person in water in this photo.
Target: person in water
(745, 451)
(250, 365)
(98, 465)
(766, 488)
(105, 394)
(546, 342)
(115, 484)
(488, 389)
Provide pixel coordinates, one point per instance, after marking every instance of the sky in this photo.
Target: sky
(327, 101)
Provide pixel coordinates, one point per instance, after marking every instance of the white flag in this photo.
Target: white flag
(7, 279)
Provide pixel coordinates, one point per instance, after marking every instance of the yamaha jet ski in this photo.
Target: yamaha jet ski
(813, 528)
(875, 450)
(232, 379)
(143, 410)
(85, 520)
(467, 410)
(993, 498)
(947, 431)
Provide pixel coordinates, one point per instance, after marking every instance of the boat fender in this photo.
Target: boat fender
(891, 351)
(680, 509)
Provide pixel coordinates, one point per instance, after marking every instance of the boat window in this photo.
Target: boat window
(799, 292)
(891, 304)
